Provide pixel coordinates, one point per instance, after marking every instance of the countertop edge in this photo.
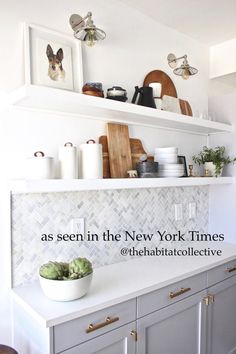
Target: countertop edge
(114, 301)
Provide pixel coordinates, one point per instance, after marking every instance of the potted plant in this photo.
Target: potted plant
(213, 160)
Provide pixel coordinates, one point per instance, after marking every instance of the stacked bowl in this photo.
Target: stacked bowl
(168, 162)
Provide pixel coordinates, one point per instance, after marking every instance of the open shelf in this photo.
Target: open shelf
(60, 185)
(57, 101)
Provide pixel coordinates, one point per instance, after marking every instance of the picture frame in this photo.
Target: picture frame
(52, 59)
(182, 160)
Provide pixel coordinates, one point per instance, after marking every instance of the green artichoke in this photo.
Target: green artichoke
(65, 267)
(74, 276)
(53, 270)
(80, 267)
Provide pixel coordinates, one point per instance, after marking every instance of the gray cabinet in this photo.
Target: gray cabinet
(221, 318)
(195, 315)
(118, 341)
(176, 329)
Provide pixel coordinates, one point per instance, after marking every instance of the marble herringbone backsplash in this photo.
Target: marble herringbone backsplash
(142, 210)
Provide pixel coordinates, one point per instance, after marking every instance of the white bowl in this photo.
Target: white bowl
(171, 167)
(164, 161)
(171, 174)
(167, 150)
(65, 290)
(164, 154)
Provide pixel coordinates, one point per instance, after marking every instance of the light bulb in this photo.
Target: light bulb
(90, 38)
(185, 74)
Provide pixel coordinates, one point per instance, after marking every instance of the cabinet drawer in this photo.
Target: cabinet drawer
(118, 341)
(221, 272)
(170, 294)
(71, 333)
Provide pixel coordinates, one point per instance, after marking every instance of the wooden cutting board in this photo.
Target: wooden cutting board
(168, 87)
(171, 104)
(120, 160)
(105, 156)
(185, 108)
(137, 150)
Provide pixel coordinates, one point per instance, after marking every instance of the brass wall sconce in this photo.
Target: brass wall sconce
(184, 70)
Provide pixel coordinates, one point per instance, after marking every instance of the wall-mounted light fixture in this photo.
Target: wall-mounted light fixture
(185, 70)
(85, 30)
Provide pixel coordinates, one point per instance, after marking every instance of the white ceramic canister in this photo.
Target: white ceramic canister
(39, 166)
(68, 161)
(91, 163)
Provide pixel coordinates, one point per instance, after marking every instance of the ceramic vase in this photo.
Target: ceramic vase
(210, 166)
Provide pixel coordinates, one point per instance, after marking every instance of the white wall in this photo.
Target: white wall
(222, 58)
(134, 46)
(223, 199)
(222, 68)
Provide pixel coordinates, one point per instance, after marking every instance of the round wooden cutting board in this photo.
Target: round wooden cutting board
(168, 87)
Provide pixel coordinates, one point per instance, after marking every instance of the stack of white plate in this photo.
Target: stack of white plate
(171, 170)
(168, 162)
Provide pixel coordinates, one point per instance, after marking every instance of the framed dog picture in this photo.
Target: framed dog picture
(52, 59)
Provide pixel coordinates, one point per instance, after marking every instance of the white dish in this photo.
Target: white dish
(165, 154)
(167, 150)
(170, 175)
(65, 290)
(171, 172)
(163, 161)
(171, 167)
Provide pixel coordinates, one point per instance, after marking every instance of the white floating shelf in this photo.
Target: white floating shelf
(60, 185)
(57, 101)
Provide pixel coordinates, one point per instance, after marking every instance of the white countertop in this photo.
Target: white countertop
(119, 282)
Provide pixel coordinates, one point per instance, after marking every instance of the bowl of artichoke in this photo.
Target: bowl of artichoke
(62, 281)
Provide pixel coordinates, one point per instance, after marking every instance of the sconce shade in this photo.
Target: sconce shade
(185, 71)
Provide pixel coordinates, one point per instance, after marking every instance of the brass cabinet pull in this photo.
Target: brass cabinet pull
(209, 299)
(178, 293)
(93, 327)
(135, 335)
(230, 270)
(206, 300)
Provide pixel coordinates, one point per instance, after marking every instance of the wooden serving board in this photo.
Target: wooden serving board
(120, 160)
(105, 156)
(185, 108)
(137, 151)
(168, 87)
(171, 104)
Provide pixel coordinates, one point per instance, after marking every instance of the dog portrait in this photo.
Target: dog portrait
(55, 66)
(52, 59)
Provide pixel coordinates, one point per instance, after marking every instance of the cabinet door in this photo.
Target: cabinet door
(118, 341)
(176, 329)
(222, 318)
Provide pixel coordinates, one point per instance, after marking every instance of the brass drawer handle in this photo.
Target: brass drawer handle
(230, 270)
(108, 321)
(178, 293)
